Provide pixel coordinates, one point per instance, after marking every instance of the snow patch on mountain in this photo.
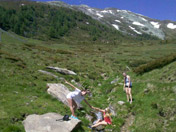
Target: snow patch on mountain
(135, 30)
(155, 24)
(118, 21)
(125, 11)
(104, 11)
(107, 11)
(138, 23)
(122, 19)
(98, 14)
(171, 26)
(90, 10)
(143, 19)
(111, 12)
(116, 26)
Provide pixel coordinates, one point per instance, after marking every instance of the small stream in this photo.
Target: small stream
(128, 122)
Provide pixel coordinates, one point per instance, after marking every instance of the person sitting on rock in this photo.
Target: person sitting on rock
(75, 98)
(106, 115)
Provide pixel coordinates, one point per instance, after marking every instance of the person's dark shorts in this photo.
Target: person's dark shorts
(127, 86)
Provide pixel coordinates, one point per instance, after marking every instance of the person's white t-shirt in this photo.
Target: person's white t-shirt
(76, 96)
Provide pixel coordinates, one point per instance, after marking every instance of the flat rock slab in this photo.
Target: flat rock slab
(58, 91)
(62, 70)
(48, 123)
(48, 73)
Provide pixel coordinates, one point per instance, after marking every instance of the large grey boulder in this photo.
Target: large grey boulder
(49, 123)
(62, 70)
(58, 91)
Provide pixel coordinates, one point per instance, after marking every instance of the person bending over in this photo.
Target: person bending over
(75, 98)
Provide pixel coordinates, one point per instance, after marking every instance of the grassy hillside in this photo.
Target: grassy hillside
(23, 88)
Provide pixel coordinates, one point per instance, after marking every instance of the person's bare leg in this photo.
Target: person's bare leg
(74, 105)
(131, 100)
(100, 123)
(127, 94)
(70, 102)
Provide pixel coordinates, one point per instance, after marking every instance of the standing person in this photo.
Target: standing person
(106, 115)
(75, 98)
(128, 86)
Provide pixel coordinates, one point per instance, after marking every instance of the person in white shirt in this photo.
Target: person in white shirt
(128, 86)
(75, 98)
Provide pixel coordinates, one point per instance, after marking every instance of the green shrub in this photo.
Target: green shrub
(158, 63)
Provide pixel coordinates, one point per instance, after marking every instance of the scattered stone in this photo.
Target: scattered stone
(146, 91)
(62, 70)
(48, 73)
(73, 81)
(120, 83)
(115, 80)
(121, 102)
(15, 92)
(174, 89)
(50, 122)
(59, 91)
(112, 110)
(89, 117)
(109, 99)
(99, 84)
(128, 68)
(104, 76)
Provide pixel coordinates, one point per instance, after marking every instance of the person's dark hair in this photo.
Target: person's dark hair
(85, 89)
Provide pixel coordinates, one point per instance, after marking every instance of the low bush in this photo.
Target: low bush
(158, 63)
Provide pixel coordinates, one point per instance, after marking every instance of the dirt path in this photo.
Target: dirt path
(128, 122)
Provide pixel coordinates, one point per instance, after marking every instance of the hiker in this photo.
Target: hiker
(75, 98)
(106, 115)
(128, 86)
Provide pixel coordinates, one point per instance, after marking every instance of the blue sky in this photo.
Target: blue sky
(157, 9)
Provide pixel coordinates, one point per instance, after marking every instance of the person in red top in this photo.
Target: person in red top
(107, 118)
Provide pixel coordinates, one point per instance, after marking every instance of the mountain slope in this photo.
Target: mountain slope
(127, 21)
(41, 21)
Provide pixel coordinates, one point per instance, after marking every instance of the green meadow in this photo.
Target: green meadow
(23, 89)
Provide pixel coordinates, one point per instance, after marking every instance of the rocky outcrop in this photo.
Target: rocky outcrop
(62, 70)
(59, 91)
(48, 73)
(50, 122)
(115, 80)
